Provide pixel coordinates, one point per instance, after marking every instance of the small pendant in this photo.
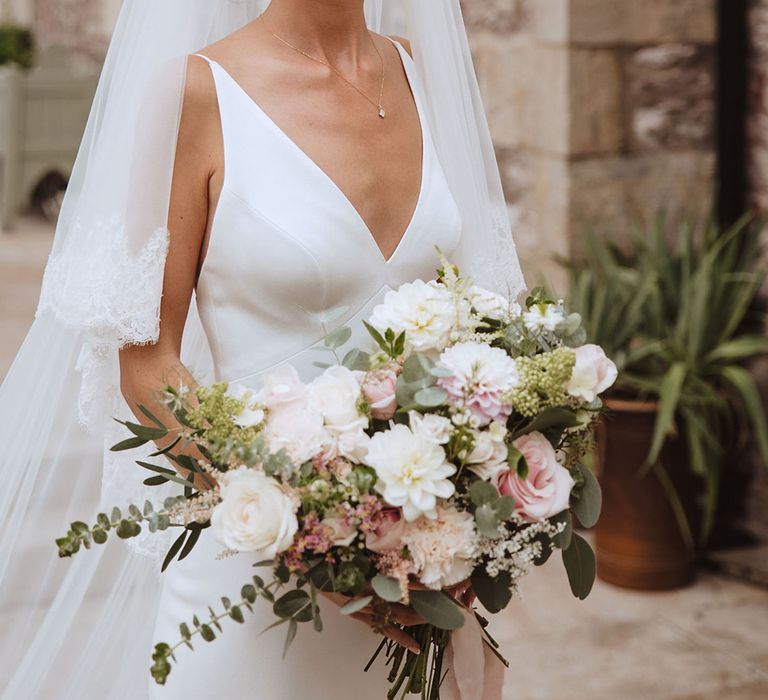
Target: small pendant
(382, 113)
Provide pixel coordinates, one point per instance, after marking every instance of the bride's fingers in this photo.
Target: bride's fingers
(390, 631)
(404, 640)
(405, 615)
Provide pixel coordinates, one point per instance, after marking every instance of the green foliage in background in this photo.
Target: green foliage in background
(676, 310)
(17, 45)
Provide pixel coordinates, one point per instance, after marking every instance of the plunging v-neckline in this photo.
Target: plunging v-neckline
(334, 185)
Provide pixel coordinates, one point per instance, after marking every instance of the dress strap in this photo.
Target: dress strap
(209, 61)
(220, 86)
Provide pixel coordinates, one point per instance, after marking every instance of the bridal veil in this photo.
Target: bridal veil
(82, 628)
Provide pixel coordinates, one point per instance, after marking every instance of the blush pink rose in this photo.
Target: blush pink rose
(592, 374)
(282, 387)
(379, 391)
(388, 530)
(546, 490)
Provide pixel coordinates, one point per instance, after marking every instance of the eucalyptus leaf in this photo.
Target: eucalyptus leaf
(548, 419)
(387, 588)
(338, 338)
(579, 560)
(590, 501)
(563, 539)
(437, 609)
(431, 397)
(487, 521)
(504, 507)
(127, 529)
(333, 315)
(248, 592)
(291, 603)
(493, 593)
(357, 360)
(418, 371)
(356, 605)
(482, 493)
(439, 371)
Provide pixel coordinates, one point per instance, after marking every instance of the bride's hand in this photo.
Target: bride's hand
(400, 614)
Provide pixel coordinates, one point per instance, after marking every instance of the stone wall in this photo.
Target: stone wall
(602, 112)
(757, 124)
(757, 175)
(81, 26)
(73, 24)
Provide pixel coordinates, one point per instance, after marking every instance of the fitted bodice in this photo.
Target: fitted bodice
(289, 257)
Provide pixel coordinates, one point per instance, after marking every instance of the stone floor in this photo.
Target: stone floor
(706, 642)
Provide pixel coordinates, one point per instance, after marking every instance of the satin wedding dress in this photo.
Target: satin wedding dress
(289, 259)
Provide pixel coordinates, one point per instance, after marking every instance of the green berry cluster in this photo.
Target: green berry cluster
(543, 379)
(213, 417)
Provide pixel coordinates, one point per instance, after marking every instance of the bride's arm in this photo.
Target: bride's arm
(145, 370)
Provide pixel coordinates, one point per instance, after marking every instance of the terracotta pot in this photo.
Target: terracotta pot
(638, 539)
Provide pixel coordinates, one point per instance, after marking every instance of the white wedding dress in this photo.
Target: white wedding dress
(287, 251)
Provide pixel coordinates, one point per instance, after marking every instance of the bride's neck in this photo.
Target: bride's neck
(331, 29)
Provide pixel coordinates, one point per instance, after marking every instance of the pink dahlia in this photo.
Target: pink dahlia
(481, 378)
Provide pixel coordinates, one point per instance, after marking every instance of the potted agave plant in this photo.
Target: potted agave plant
(676, 312)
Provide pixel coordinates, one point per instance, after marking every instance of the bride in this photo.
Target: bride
(230, 206)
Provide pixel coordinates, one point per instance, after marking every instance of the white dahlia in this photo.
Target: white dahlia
(424, 310)
(412, 470)
(443, 549)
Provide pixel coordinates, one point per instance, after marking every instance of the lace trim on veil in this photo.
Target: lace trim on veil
(111, 293)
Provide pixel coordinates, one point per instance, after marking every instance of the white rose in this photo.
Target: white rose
(335, 395)
(592, 374)
(491, 305)
(412, 470)
(282, 386)
(430, 426)
(443, 550)
(424, 310)
(489, 456)
(253, 414)
(255, 514)
(297, 430)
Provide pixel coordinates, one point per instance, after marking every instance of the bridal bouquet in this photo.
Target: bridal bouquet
(438, 469)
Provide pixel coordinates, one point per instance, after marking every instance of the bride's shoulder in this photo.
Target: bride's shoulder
(403, 42)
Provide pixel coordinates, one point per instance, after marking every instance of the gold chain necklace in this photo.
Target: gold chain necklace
(382, 113)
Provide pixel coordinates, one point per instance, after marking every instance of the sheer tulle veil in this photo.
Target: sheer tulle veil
(82, 628)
